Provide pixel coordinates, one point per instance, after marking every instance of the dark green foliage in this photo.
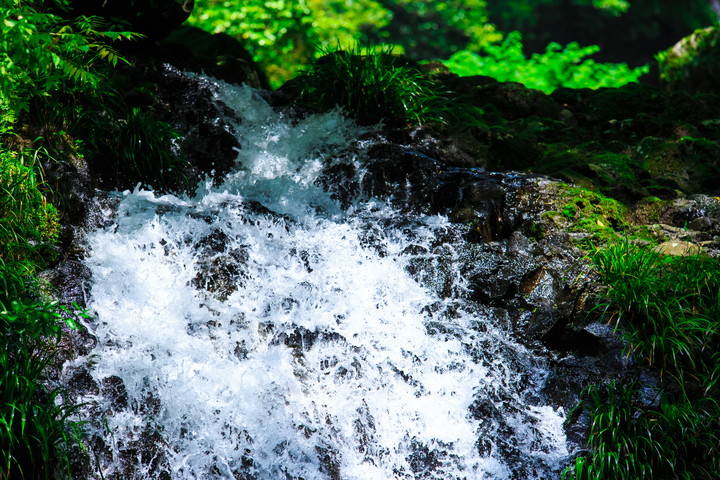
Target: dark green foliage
(628, 30)
(144, 148)
(379, 86)
(131, 145)
(28, 223)
(42, 53)
(669, 309)
(670, 305)
(57, 75)
(670, 440)
(35, 431)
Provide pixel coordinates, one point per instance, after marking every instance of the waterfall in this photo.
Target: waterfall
(263, 329)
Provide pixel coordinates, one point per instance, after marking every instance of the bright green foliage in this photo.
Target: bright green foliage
(41, 53)
(377, 86)
(28, 223)
(614, 7)
(282, 36)
(342, 23)
(668, 441)
(558, 67)
(671, 306)
(279, 35)
(35, 431)
(669, 309)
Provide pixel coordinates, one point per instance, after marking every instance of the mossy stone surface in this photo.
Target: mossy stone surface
(693, 63)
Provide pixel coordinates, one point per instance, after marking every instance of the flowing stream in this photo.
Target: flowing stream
(261, 330)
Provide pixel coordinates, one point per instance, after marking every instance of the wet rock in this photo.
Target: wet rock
(482, 201)
(82, 383)
(187, 103)
(71, 279)
(340, 180)
(221, 268)
(301, 339)
(329, 462)
(396, 172)
(113, 388)
(424, 460)
(140, 457)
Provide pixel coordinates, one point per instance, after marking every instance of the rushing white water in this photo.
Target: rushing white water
(260, 331)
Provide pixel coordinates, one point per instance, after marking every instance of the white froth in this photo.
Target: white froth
(319, 359)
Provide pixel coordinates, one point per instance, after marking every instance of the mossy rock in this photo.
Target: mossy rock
(590, 217)
(693, 64)
(688, 164)
(593, 166)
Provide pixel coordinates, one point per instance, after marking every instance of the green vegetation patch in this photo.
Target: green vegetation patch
(28, 223)
(378, 86)
(668, 309)
(585, 211)
(42, 53)
(36, 433)
(557, 67)
(671, 305)
(669, 441)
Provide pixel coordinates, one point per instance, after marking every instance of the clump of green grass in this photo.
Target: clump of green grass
(668, 309)
(669, 305)
(137, 147)
(670, 441)
(28, 223)
(378, 85)
(36, 434)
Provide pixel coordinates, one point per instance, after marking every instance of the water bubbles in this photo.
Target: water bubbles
(262, 329)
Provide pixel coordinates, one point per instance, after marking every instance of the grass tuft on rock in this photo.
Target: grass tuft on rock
(378, 86)
(668, 310)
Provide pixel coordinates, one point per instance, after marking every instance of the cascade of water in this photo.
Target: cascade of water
(257, 330)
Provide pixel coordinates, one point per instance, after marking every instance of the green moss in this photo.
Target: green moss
(596, 217)
(687, 164)
(535, 231)
(693, 62)
(594, 167)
